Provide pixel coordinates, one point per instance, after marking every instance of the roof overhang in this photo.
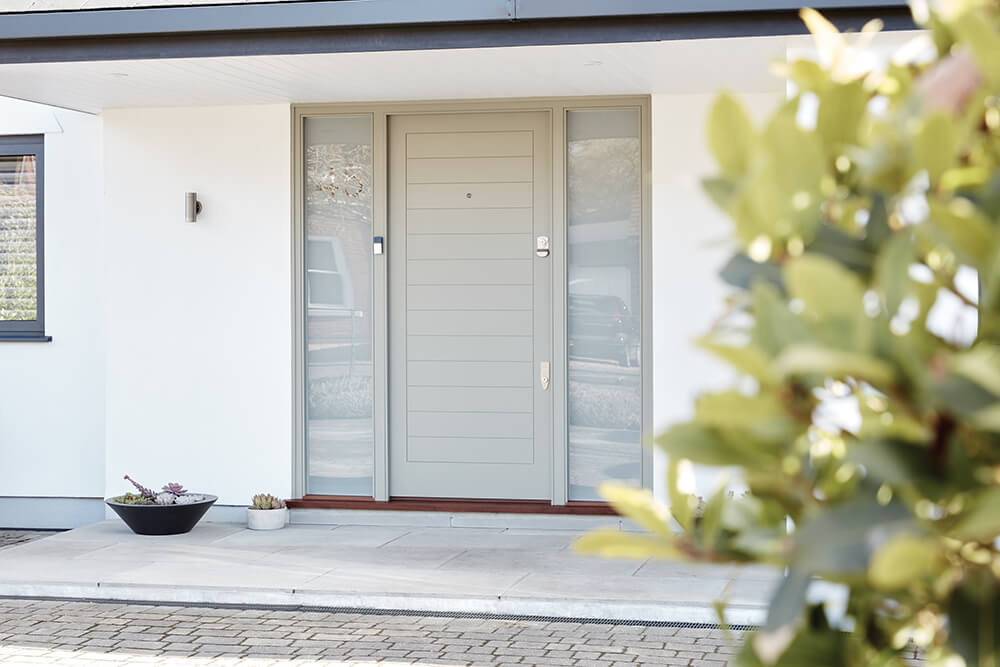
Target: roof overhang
(669, 67)
(341, 26)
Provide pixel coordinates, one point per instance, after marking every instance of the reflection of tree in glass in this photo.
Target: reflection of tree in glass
(603, 179)
(18, 293)
(338, 180)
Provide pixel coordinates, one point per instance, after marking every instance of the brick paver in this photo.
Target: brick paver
(58, 632)
(9, 538)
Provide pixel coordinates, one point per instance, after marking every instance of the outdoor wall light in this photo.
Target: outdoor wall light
(192, 207)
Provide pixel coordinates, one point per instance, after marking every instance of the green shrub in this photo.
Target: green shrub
(865, 213)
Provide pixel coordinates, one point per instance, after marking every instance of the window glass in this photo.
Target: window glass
(338, 283)
(18, 228)
(604, 195)
(321, 255)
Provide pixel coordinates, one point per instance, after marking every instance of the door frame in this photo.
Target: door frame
(379, 114)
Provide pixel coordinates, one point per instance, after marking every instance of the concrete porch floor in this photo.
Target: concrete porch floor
(520, 571)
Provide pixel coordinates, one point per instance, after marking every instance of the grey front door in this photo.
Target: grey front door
(470, 415)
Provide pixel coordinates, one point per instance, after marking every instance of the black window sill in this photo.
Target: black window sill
(25, 338)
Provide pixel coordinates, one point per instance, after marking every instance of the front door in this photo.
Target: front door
(470, 305)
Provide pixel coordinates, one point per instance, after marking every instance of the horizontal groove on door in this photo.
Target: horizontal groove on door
(474, 505)
(469, 272)
(468, 195)
(470, 399)
(469, 348)
(469, 424)
(517, 143)
(468, 374)
(469, 246)
(468, 297)
(466, 220)
(469, 450)
(469, 170)
(486, 322)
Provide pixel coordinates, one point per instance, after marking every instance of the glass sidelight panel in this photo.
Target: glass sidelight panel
(338, 292)
(604, 214)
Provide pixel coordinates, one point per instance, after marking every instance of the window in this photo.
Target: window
(604, 214)
(21, 248)
(337, 217)
(327, 283)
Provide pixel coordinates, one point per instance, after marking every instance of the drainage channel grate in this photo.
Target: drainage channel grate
(737, 627)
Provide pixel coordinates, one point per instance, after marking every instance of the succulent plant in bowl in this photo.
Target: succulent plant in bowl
(169, 511)
(266, 512)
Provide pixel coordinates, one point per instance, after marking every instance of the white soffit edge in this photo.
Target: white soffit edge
(678, 67)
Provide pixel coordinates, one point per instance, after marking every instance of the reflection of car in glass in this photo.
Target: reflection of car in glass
(602, 327)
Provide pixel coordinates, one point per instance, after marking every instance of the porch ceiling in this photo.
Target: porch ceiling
(526, 71)
(689, 66)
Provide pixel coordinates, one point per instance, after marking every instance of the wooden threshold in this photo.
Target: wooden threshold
(408, 504)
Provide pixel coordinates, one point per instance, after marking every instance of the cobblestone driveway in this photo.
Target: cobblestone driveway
(52, 632)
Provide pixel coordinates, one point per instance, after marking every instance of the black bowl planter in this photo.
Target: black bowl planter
(162, 519)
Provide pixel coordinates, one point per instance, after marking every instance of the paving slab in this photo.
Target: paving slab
(524, 570)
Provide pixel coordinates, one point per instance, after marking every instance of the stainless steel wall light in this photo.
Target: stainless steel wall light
(192, 207)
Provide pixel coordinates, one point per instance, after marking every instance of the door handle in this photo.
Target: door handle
(543, 374)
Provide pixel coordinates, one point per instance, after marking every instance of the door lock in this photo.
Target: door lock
(542, 246)
(543, 375)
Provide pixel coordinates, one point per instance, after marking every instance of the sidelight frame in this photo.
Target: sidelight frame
(379, 114)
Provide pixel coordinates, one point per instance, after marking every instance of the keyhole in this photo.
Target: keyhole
(468, 195)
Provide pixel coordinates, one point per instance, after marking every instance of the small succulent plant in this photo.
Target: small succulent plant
(143, 490)
(174, 488)
(172, 493)
(165, 498)
(133, 499)
(265, 501)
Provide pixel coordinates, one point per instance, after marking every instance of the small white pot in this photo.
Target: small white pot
(267, 519)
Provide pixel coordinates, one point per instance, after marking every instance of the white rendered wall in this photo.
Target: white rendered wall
(52, 394)
(199, 316)
(691, 242)
(198, 351)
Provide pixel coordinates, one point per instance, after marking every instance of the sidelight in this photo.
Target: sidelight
(604, 216)
(337, 209)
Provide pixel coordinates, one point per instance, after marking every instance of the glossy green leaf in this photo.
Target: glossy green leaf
(981, 364)
(722, 191)
(962, 229)
(741, 271)
(853, 253)
(981, 521)
(640, 506)
(935, 146)
(682, 504)
(825, 288)
(763, 415)
(775, 326)
(808, 75)
(840, 110)
(904, 560)
(975, 31)
(711, 517)
(893, 270)
(612, 543)
(748, 358)
(788, 600)
(709, 446)
(799, 360)
(730, 134)
(840, 540)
